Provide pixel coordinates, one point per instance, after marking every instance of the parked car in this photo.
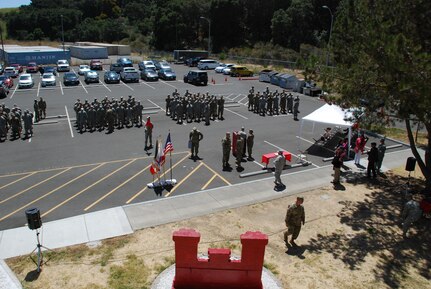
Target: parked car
(8, 81)
(156, 64)
(226, 70)
(70, 78)
(149, 75)
(91, 77)
(4, 89)
(48, 79)
(207, 64)
(63, 65)
(129, 74)
(18, 67)
(167, 74)
(196, 77)
(219, 69)
(11, 72)
(49, 69)
(96, 64)
(193, 61)
(116, 67)
(111, 77)
(25, 81)
(146, 64)
(32, 67)
(237, 70)
(125, 62)
(164, 65)
(83, 68)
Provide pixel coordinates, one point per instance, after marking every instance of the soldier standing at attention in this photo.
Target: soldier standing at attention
(243, 135)
(27, 118)
(148, 133)
(382, 149)
(226, 144)
(296, 108)
(279, 164)
(239, 151)
(250, 142)
(110, 118)
(168, 105)
(195, 137)
(42, 108)
(290, 103)
(295, 217)
(36, 111)
(220, 108)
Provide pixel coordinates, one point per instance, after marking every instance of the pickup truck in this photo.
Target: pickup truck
(129, 74)
(63, 65)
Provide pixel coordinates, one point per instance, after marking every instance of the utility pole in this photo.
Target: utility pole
(330, 32)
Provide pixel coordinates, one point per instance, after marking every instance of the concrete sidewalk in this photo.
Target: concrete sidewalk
(124, 220)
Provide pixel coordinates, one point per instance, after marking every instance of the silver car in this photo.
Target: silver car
(48, 79)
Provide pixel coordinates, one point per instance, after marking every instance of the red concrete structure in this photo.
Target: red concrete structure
(218, 271)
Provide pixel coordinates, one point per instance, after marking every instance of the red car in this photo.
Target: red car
(32, 67)
(7, 80)
(96, 64)
(18, 67)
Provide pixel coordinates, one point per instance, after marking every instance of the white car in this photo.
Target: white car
(83, 69)
(164, 65)
(25, 81)
(226, 70)
(48, 79)
(63, 65)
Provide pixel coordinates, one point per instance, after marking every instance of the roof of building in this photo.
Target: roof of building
(20, 49)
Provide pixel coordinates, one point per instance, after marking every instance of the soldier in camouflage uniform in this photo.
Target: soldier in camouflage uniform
(226, 145)
(295, 217)
(195, 137)
(239, 151)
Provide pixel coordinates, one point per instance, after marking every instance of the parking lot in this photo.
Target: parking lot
(65, 173)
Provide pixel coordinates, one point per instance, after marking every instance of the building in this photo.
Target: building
(39, 54)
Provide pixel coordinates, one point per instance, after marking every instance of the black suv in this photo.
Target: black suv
(196, 77)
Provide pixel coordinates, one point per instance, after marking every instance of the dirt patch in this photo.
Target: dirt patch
(351, 239)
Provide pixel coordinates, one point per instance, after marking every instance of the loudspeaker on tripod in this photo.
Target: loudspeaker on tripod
(410, 164)
(33, 218)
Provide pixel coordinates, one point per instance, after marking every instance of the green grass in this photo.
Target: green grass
(7, 10)
(271, 267)
(132, 274)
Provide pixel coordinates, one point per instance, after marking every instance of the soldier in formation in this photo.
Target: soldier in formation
(226, 146)
(107, 113)
(194, 107)
(14, 120)
(272, 102)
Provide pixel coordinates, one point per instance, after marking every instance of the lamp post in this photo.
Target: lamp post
(330, 32)
(209, 33)
(62, 31)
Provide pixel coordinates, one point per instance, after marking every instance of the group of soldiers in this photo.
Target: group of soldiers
(39, 107)
(194, 107)
(108, 113)
(273, 103)
(15, 119)
(244, 146)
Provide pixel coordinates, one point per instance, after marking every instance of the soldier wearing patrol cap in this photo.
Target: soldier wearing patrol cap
(195, 137)
(226, 145)
(295, 217)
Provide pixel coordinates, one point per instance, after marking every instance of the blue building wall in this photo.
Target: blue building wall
(40, 57)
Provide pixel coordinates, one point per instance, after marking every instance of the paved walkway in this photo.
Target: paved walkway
(125, 220)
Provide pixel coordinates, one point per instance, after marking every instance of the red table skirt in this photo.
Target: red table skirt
(267, 157)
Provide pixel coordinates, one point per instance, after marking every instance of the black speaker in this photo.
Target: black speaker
(410, 164)
(33, 218)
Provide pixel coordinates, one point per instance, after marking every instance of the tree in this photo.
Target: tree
(382, 55)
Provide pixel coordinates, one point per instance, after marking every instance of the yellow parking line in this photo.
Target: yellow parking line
(183, 180)
(116, 188)
(50, 192)
(16, 181)
(86, 189)
(141, 191)
(33, 186)
(209, 182)
(84, 165)
(226, 181)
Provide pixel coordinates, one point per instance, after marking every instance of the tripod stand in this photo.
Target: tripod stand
(39, 261)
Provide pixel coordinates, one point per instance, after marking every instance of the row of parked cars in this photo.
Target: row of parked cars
(224, 68)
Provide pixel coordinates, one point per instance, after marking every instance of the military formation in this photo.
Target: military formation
(194, 107)
(15, 120)
(108, 113)
(273, 103)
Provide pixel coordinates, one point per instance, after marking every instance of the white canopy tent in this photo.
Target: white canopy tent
(330, 114)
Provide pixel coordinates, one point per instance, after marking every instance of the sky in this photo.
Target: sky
(13, 3)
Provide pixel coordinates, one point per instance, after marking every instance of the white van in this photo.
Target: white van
(208, 64)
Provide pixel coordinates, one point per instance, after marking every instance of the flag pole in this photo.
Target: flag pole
(170, 157)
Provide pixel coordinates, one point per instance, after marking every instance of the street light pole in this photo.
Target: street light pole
(330, 32)
(62, 31)
(209, 33)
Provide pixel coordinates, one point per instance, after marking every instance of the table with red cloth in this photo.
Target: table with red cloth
(267, 157)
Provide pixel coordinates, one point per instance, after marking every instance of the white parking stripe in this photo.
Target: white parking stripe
(38, 89)
(126, 85)
(14, 91)
(156, 105)
(105, 86)
(80, 82)
(61, 87)
(242, 99)
(147, 84)
(236, 113)
(168, 84)
(68, 121)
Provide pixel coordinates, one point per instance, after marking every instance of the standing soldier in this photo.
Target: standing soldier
(91, 113)
(100, 116)
(180, 113)
(42, 107)
(250, 100)
(382, 149)
(239, 151)
(243, 135)
(15, 123)
(373, 156)
(82, 119)
(120, 116)
(220, 108)
(168, 105)
(290, 103)
(207, 113)
(262, 103)
(129, 114)
(213, 108)
(283, 100)
(28, 123)
(256, 99)
(296, 108)
(189, 112)
(295, 217)
(109, 115)
(197, 109)
(276, 101)
(269, 105)
(250, 143)
(279, 164)
(76, 108)
(226, 144)
(149, 133)
(3, 125)
(195, 137)
(36, 111)
(139, 108)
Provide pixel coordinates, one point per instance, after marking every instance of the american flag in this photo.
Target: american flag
(169, 147)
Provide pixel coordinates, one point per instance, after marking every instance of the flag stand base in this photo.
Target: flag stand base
(162, 183)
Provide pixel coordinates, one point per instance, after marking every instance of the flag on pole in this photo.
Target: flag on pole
(169, 147)
(155, 165)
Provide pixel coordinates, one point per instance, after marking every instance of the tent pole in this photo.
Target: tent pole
(350, 137)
